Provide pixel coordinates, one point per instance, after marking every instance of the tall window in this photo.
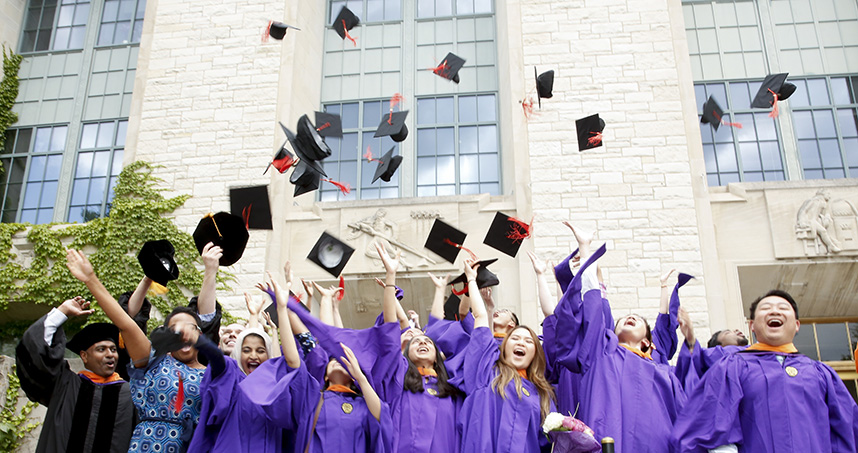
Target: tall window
(833, 343)
(52, 26)
(99, 163)
(33, 158)
(121, 22)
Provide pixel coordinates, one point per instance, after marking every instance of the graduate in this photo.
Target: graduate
(694, 360)
(623, 393)
(90, 411)
(508, 395)
(341, 414)
(768, 397)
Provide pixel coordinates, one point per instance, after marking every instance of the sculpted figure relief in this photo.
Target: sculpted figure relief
(383, 233)
(814, 219)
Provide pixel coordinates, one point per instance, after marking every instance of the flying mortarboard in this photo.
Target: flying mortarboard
(253, 205)
(303, 151)
(315, 147)
(157, 260)
(714, 115)
(589, 132)
(773, 89)
(283, 160)
(331, 254)
(226, 231)
(451, 307)
(345, 21)
(329, 124)
(506, 234)
(277, 30)
(393, 124)
(305, 178)
(91, 335)
(544, 85)
(387, 166)
(445, 240)
(485, 277)
(449, 67)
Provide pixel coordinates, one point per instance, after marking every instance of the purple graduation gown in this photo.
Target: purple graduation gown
(451, 337)
(664, 334)
(289, 397)
(750, 400)
(229, 421)
(624, 396)
(690, 366)
(489, 423)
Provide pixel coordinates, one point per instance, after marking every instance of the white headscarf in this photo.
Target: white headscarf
(239, 343)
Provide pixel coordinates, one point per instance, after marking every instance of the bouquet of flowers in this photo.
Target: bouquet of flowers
(569, 434)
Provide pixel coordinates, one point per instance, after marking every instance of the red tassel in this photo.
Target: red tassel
(519, 230)
(344, 188)
(180, 394)
(595, 139)
(245, 214)
(459, 246)
(328, 124)
(267, 32)
(459, 293)
(343, 286)
(368, 156)
(348, 36)
(527, 106)
(282, 165)
(726, 123)
(774, 113)
(395, 100)
(441, 69)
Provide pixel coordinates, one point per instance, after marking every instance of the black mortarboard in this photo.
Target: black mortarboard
(91, 335)
(305, 178)
(589, 132)
(277, 30)
(314, 146)
(506, 234)
(157, 261)
(445, 240)
(449, 67)
(225, 230)
(253, 205)
(776, 83)
(345, 21)
(544, 85)
(165, 340)
(329, 124)
(451, 307)
(387, 166)
(302, 150)
(485, 277)
(283, 160)
(393, 124)
(331, 254)
(712, 113)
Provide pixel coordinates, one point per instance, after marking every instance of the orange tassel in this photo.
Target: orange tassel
(344, 188)
(348, 36)
(726, 123)
(343, 286)
(328, 124)
(121, 341)
(180, 394)
(774, 113)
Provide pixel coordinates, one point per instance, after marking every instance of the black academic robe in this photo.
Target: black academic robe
(82, 416)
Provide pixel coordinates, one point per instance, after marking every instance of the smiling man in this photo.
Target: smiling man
(768, 397)
(90, 411)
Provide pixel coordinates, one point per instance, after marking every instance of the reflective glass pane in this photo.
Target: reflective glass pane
(469, 168)
(101, 163)
(31, 196)
(43, 140)
(818, 92)
(467, 109)
(444, 110)
(22, 146)
(445, 143)
(426, 142)
(88, 136)
(350, 116)
(120, 134)
(830, 152)
(464, 7)
(805, 343)
(425, 170)
(488, 167)
(374, 10)
(371, 114)
(487, 111)
(79, 191)
(446, 170)
(809, 154)
(58, 138)
(488, 139)
(840, 91)
(765, 127)
(111, 7)
(66, 16)
(726, 157)
(468, 140)
(54, 163)
(848, 121)
(37, 168)
(833, 342)
(824, 121)
(426, 111)
(750, 157)
(105, 135)
(803, 124)
(770, 156)
(49, 195)
(44, 216)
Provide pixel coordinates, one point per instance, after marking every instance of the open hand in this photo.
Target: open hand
(75, 307)
(79, 265)
(211, 256)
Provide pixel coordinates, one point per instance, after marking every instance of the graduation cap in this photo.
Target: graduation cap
(91, 335)
(283, 160)
(445, 240)
(773, 89)
(224, 230)
(345, 21)
(589, 132)
(393, 124)
(165, 340)
(714, 115)
(277, 30)
(485, 277)
(314, 146)
(305, 178)
(157, 261)
(451, 307)
(449, 67)
(544, 85)
(387, 165)
(329, 124)
(304, 152)
(253, 205)
(506, 234)
(331, 254)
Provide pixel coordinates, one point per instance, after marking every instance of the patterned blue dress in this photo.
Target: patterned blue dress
(153, 391)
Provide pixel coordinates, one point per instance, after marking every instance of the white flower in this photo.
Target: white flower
(553, 422)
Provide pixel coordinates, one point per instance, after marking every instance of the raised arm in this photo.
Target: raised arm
(664, 302)
(338, 297)
(136, 342)
(478, 307)
(373, 402)
(287, 343)
(326, 303)
(135, 302)
(253, 308)
(211, 260)
(438, 299)
(390, 304)
(546, 302)
(687, 329)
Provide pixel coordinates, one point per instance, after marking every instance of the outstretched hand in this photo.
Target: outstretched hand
(253, 306)
(664, 278)
(471, 266)
(390, 264)
(79, 265)
(538, 264)
(583, 238)
(351, 363)
(75, 307)
(211, 256)
(330, 292)
(439, 282)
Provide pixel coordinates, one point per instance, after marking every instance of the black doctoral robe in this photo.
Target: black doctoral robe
(82, 416)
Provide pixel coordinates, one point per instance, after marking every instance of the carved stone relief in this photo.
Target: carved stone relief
(826, 226)
(384, 232)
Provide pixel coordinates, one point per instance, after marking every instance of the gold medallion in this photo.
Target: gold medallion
(526, 393)
(791, 371)
(347, 408)
(432, 392)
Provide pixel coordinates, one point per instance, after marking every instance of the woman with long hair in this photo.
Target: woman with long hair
(165, 389)
(508, 394)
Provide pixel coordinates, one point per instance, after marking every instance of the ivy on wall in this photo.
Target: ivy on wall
(8, 91)
(13, 421)
(138, 214)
